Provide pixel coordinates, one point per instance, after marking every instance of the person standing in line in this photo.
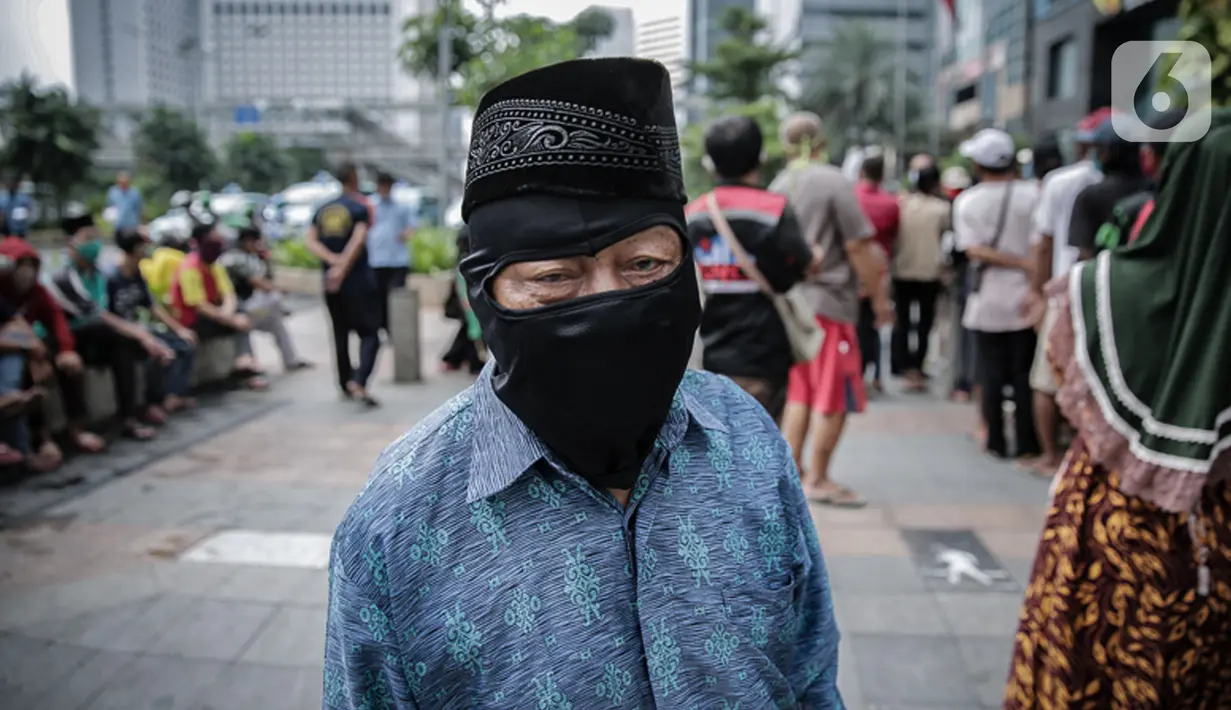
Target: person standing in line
(993, 226)
(338, 237)
(584, 526)
(127, 202)
(917, 268)
(17, 209)
(466, 348)
(882, 211)
(1129, 601)
(741, 331)
(393, 224)
(1120, 163)
(964, 381)
(1051, 256)
(821, 393)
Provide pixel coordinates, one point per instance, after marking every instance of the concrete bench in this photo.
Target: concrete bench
(214, 361)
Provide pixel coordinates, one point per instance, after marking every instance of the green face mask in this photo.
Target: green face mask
(90, 250)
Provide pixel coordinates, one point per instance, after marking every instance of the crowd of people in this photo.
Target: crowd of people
(142, 317)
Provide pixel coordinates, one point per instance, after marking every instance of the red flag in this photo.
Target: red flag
(950, 7)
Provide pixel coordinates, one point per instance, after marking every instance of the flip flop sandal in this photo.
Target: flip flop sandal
(139, 432)
(842, 498)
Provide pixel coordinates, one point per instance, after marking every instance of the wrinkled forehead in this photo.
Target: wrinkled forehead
(546, 226)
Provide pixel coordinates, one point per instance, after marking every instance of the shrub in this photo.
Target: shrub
(432, 250)
(294, 253)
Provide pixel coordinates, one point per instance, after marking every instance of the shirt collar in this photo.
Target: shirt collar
(504, 448)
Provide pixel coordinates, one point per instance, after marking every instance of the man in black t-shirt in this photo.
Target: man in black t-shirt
(741, 332)
(338, 236)
(1095, 205)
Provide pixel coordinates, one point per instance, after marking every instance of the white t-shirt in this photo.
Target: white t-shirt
(997, 307)
(1060, 189)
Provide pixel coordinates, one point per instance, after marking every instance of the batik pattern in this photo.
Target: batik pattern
(1112, 617)
(475, 571)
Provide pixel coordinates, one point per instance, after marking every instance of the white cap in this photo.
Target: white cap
(990, 148)
(955, 177)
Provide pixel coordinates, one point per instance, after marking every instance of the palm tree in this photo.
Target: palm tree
(851, 84)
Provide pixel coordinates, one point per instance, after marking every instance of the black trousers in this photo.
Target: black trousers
(100, 346)
(463, 351)
(388, 278)
(902, 357)
(1004, 361)
(869, 338)
(355, 308)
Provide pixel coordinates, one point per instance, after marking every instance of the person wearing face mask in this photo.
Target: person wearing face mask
(1120, 163)
(203, 299)
(26, 362)
(589, 524)
(103, 338)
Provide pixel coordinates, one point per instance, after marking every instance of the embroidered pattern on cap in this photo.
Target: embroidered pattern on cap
(520, 133)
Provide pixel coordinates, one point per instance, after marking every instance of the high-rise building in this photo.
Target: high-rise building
(622, 41)
(136, 52)
(663, 40)
(35, 40)
(705, 25)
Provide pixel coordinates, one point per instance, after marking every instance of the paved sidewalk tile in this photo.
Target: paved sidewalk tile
(981, 614)
(157, 682)
(912, 669)
(293, 637)
(213, 629)
(76, 689)
(988, 660)
(259, 687)
(873, 574)
(889, 614)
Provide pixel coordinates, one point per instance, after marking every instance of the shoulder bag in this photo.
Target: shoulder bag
(798, 319)
(978, 268)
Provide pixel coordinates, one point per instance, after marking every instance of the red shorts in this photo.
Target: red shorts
(832, 383)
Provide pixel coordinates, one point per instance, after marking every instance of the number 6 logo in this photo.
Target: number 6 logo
(1160, 92)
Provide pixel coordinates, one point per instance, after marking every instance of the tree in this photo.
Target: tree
(46, 136)
(515, 46)
(486, 51)
(743, 68)
(592, 25)
(306, 161)
(257, 162)
(420, 50)
(767, 112)
(1209, 23)
(851, 86)
(172, 152)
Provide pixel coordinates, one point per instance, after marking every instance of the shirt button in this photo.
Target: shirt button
(844, 347)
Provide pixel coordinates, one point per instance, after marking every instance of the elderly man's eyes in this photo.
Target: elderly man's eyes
(646, 263)
(551, 277)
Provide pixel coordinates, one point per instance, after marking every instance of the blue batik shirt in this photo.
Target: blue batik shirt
(475, 571)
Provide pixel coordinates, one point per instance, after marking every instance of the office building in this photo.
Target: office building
(705, 26)
(35, 40)
(663, 40)
(623, 39)
(136, 52)
(985, 76)
(1073, 42)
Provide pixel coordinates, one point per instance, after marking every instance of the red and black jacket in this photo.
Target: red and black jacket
(740, 330)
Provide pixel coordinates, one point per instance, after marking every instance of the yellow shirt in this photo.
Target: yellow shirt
(159, 269)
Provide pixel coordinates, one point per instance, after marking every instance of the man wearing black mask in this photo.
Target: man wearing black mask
(589, 525)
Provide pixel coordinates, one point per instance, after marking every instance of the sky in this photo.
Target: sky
(560, 10)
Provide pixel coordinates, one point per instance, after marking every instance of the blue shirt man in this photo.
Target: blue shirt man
(127, 202)
(17, 209)
(589, 525)
(392, 223)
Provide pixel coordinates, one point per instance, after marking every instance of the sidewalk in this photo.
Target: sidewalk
(198, 581)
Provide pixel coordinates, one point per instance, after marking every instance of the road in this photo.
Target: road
(191, 575)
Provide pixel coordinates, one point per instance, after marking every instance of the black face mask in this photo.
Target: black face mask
(593, 377)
